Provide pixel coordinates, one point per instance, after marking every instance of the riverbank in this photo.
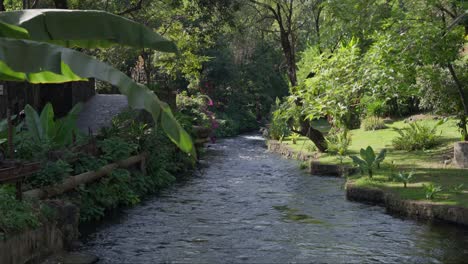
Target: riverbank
(428, 167)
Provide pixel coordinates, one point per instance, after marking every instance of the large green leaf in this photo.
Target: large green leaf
(46, 63)
(84, 28)
(66, 126)
(33, 123)
(47, 121)
(11, 31)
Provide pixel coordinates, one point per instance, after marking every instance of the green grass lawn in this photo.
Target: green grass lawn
(428, 166)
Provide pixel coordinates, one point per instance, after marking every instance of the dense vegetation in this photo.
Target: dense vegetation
(317, 69)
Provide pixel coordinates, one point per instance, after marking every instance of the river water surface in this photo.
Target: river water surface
(251, 206)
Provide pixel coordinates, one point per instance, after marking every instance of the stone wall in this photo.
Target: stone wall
(32, 246)
(283, 149)
(460, 154)
(418, 209)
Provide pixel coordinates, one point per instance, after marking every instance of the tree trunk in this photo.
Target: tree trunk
(61, 4)
(463, 99)
(84, 178)
(313, 134)
(2, 5)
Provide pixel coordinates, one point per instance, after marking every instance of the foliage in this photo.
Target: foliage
(404, 177)
(50, 174)
(232, 124)
(26, 148)
(431, 190)
(294, 137)
(87, 163)
(338, 142)
(44, 129)
(279, 122)
(330, 85)
(373, 123)
(195, 107)
(368, 160)
(458, 189)
(417, 136)
(15, 215)
(374, 107)
(115, 149)
(109, 193)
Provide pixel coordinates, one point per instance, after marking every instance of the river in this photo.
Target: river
(251, 206)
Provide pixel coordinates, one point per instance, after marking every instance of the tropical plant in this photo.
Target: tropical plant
(458, 189)
(417, 136)
(372, 123)
(44, 127)
(404, 177)
(39, 32)
(431, 190)
(368, 160)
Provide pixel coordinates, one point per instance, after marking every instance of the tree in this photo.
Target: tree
(418, 41)
(289, 17)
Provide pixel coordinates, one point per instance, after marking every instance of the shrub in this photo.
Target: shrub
(279, 123)
(51, 173)
(15, 215)
(338, 143)
(373, 123)
(115, 149)
(417, 136)
(376, 108)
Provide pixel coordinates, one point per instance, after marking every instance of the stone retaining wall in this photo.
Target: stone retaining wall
(33, 245)
(315, 167)
(283, 149)
(460, 154)
(417, 209)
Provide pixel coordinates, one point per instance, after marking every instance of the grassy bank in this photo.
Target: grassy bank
(428, 166)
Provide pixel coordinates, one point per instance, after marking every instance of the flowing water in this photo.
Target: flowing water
(251, 206)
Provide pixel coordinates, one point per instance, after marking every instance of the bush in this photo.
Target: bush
(338, 143)
(417, 136)
(17, 215)
(196, 107)
(51, 173)
(372, 123)
(376, 108)
(279, 123)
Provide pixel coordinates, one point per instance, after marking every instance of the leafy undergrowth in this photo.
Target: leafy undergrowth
(428, 166)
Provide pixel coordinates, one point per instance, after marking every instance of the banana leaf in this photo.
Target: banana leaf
(81, 28)
(48, 63)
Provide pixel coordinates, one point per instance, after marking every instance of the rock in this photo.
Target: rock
(460, 153)
(317, 168)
